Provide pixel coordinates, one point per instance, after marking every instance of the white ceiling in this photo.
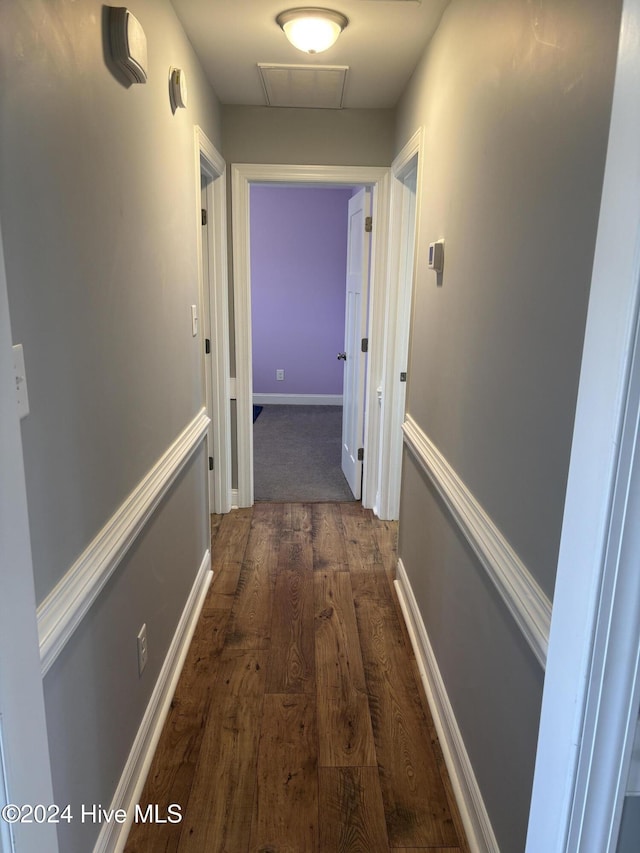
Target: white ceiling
(381, 45)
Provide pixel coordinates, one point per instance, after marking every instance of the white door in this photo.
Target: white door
(358, 243)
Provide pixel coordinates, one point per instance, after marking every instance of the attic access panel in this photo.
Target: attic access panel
(311, 86)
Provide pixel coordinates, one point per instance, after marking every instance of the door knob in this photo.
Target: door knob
(342, 356)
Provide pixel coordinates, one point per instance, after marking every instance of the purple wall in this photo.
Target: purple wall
(298, 270)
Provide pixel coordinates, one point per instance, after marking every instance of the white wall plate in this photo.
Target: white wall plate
(128, 44)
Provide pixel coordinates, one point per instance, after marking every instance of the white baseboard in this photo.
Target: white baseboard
(297, 399)
(66, 605)
(113, 837)
(468, 797)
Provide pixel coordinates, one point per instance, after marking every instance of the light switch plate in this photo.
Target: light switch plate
(194, 320)
(143, 651)
(22, 396)
(436, 256)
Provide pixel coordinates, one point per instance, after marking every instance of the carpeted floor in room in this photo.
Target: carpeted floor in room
(297, 454)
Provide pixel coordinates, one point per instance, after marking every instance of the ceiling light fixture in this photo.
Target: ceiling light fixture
(310, 29)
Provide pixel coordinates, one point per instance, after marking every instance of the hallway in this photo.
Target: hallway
(299, 723)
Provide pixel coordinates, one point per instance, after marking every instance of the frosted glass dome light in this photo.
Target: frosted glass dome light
(312, 30)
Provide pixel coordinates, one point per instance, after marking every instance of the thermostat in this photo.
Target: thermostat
(178, 88)
(436, 255)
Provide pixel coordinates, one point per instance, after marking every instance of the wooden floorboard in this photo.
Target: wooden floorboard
(250, 622)
(327, 538)
(220, 807)
(406, 760)
(360, 542)
(291, 667)
(285, 818)
(297, 518)
(386, 536)
(352, 811)
(344, 720)
(228, 545)
(299, 724)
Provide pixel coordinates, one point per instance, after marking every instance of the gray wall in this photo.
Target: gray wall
(97, 195)
(515, 100)
(307, 137)
(94, 698)
(629, 839)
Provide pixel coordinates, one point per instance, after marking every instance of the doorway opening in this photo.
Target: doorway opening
(309, 264)
(298, 247)
(243, 178)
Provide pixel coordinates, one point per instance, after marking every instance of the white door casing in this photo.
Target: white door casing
(211, 243)
(22, 713)
(205, 329)
(355, 330)
(242, 176)
(406, 172)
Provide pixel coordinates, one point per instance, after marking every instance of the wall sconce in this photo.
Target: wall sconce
(310, 29)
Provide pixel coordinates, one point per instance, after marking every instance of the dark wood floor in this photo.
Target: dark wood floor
(299, 723)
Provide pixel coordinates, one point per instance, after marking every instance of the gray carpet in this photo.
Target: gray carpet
(296, 454)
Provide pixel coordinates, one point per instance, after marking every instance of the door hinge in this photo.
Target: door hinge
(364, 346)
(204, 216)
(368, 224)
(360, 454)
(207, 345)
(403, 377)
(211, 463)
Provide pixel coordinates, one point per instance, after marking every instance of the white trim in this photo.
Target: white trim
(590, 695)
(242, 175)
(66, 605)
(377, 353)
(525, 600)
(243, 345)
(22, 710)
(113, 836)
(397, 319)
(6, 834)
(477, 825)
(297, 399)
(210, 163)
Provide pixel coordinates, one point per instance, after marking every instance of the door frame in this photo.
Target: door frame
(402, 228)
(214, 299)
(242, 176)
(22, 713)
(591, 689)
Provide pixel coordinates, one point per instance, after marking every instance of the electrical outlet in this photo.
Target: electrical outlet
(142, 649)
(280, 375)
